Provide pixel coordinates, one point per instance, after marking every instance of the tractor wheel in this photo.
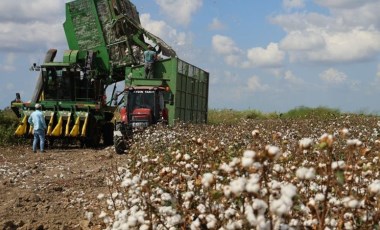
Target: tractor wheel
(108, 134)
(119, 144)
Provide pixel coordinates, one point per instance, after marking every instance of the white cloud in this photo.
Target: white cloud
(29, 26)
(254, 85)
(161, 29)
(10, 86)
(180, 10)
(268, 57)
(24, 11)
(224, 45)
(8, 65)
(348, 34)
(302, 40)
(290, 4)
(291, 78)
(272, 56)
(343, 3)
(333, 76)
(216, 24)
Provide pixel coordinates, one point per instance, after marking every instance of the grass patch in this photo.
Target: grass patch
(8, 125)
(229, 116)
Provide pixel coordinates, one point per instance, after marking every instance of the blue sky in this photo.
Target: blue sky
(265, 55)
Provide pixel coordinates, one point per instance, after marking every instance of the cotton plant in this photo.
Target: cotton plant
(252, 175)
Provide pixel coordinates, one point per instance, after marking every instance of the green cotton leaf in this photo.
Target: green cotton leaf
(322, 145)
(340, 177)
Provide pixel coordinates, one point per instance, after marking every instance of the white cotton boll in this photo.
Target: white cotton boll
(305, 143)
(235, 161)
(260, 205)
(252, 186)
(301, 172)
(195, 225)
(345, 131)
(250, 215)
(126, 182)
(230, 212)
(238, 185)
(255, 133)
(274, 184)
(207, 179)
(273, 151)
(144, 227)
(186, 157)
(187, 195)
(226, 168)
(175, 220)
(278, 207)
(305, 173)
(310, 174)
(114, 195)
(374, 187)
(278, 168)
(319, 197)
(354, 142)
(89, 215)
(132, 221)
(227, 190)
(102, 215)
(166, 197)
(201, 208)
(348, 225)
(249, 154)
(289, 190)
(211, 221)
(100, 196)
(353, 203)
(246, 162)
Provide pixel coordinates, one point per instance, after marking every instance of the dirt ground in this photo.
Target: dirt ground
(54, 190)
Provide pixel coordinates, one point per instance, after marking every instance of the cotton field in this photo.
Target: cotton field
(255, 174)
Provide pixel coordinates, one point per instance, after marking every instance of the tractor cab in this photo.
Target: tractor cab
(64, 83)
(144, 106)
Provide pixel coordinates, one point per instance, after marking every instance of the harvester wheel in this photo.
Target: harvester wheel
(108, 134)
(93, 134)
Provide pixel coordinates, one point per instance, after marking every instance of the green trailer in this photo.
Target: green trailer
(187, 98)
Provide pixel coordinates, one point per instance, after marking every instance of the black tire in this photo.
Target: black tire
(93, 134)
(108, 134)
(119, 145)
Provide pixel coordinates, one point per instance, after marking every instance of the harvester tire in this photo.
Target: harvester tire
(108, 134)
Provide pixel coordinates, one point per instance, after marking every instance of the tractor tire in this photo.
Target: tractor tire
(119, 144)
(108, 134)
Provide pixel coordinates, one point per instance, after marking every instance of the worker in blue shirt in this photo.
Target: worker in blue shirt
(150, 57)
(37, 120)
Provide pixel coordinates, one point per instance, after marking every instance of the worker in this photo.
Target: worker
(150, 57)
(37, 120)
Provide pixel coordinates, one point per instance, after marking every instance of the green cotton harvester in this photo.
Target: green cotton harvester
(106, 42)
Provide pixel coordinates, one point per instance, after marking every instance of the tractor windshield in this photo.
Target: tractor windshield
(141, 99)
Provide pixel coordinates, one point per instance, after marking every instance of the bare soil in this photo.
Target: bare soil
(53, 190)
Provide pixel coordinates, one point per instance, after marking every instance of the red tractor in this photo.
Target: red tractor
(142, 106)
